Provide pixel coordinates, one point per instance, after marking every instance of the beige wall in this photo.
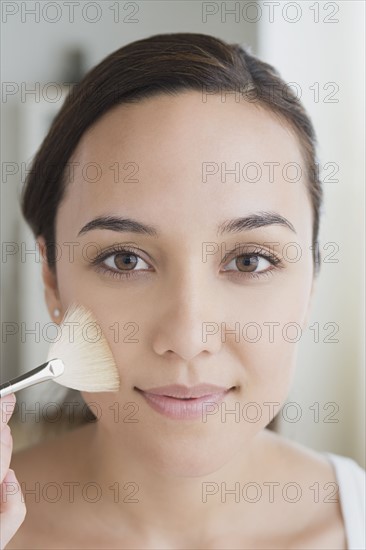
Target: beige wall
(308, 52)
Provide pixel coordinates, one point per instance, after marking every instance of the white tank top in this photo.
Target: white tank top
(351, 479)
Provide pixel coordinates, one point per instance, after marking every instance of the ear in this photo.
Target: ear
(51, 293)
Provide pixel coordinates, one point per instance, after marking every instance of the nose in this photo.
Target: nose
(187, 323)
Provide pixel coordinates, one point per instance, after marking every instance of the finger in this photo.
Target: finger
(6, 448)
(12, 508)
(7, 407)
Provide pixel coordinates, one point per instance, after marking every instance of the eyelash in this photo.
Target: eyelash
(97, 262)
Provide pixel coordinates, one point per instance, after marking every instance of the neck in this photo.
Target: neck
(153, 496)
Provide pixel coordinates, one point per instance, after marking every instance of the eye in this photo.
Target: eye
(119, 262)
(249, 263)
(254, 265)
(124, 261)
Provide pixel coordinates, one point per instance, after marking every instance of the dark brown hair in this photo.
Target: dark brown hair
(161, 64)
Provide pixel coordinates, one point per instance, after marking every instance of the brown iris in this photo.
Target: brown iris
(124, 261)
(247, 263)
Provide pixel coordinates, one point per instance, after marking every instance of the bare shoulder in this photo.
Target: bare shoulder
(298, 457)
(308, 478)
(43, 457)
(308, 470)
(41, 471)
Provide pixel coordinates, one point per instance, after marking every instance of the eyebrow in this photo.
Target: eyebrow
(235, 225)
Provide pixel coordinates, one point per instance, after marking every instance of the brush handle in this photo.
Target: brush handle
(50, 369)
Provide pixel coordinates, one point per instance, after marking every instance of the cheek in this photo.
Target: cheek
(72, 286)
(271, 323)
(273, 310)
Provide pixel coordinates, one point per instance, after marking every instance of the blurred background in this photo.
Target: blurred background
(319, 47)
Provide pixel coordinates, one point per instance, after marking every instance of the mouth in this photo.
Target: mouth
(179, 391)
(183, 407)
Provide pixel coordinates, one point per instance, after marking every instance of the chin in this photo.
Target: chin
(191, 452)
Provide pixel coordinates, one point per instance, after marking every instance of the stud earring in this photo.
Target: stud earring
(56, 312)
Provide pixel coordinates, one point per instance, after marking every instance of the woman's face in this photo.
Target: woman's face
(194, 309)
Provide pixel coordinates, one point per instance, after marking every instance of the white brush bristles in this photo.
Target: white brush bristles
(81, 345)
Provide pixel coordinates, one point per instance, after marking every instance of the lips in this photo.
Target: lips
(180, 391)
(183, 403)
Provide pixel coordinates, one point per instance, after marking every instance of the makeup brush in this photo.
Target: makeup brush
(80, 358)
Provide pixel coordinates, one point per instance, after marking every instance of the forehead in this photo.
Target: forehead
(185, 162)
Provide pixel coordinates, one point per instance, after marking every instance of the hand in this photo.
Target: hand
(12, 506)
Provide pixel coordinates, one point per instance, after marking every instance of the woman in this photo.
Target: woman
(182, 170)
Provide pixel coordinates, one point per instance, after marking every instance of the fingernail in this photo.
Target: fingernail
(10, 476)
(7, 399)
(6, 436)
(7, 406)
